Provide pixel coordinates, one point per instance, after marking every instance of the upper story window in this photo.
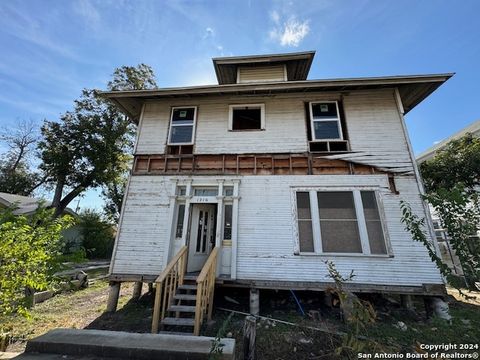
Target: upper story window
(339, 222)
(246, 117)
(325, 121)
(182, 125)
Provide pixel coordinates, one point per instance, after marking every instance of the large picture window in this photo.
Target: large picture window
(325, 121)
(347, 222)
(182, 126)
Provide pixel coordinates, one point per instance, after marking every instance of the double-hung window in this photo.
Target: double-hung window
(339, 222)
(325, 121)
(182, 125)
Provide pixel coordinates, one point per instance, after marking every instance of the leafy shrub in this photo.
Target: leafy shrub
(30, 252)
(98, 235)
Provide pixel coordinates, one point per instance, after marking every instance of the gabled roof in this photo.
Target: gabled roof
(473, 128)
(412, 88)
(25, 205)
(297, 64)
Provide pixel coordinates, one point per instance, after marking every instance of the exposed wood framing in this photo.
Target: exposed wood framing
(251, 164)
(425, 289)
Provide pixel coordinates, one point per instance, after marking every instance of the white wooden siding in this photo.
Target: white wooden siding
(261, 74)
(266, 235)
(142, 238)
(153, 129)
(375, 131)
(372, 120)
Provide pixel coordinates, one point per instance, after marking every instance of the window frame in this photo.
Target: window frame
(361, 221)
(195, 109)
(232, 107)
(339, 122)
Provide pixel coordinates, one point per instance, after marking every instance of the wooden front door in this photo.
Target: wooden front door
(202, 236)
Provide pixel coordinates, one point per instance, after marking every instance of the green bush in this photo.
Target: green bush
(30, 251)
(98, 235)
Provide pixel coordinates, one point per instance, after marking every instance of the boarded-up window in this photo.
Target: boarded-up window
(227, 223)
(182, 126)
(180, 216)
(374, 223)
(304, 215)
(338, 222)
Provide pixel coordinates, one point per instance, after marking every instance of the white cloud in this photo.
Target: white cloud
(86, 9)
(275, 16)
(291, 32)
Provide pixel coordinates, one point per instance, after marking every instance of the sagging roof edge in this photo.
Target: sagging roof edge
(120, 98)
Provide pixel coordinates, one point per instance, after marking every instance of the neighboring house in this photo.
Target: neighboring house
(448, 254)
(273, 174)
(24, 205)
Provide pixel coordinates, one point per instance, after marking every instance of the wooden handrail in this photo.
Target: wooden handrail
(170, 265)
(206, 267)
(166, 284)
(205, 290)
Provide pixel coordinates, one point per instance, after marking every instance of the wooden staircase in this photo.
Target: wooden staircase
(182, 300)
(181, 312)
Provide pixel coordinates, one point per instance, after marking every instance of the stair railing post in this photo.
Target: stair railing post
(198, 309)
(156, 307)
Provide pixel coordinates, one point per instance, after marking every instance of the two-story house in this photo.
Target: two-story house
(267, 175)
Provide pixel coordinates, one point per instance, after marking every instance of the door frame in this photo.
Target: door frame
(191, 231)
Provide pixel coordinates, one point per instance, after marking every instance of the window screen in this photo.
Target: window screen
(181, 126)
(227, 223)
(247, 118)
(374, 223)
(304, 216)
(338, 222)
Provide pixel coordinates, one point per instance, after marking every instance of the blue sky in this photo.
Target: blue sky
(50, 50)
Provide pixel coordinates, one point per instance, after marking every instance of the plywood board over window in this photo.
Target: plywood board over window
(339, 222)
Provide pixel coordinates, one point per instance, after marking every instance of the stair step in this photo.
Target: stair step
(187, 287)
(175, 332)
(182, 308)
(185, 297)
(190, 277)
(178, 321)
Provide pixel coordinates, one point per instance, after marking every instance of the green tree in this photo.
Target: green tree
(457, 163)
(87, 147)
(97, 234)
(451, 180)
(16, 174)
(30, 249)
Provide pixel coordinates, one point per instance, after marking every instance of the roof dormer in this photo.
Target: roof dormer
(263, 68)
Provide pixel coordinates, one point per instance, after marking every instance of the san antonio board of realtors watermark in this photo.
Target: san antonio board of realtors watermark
(441, 351)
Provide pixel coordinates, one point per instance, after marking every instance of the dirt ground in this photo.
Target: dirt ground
(275, 340)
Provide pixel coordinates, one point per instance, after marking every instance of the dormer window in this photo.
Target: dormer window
(182, 125)
(246, 117)
(325, 121)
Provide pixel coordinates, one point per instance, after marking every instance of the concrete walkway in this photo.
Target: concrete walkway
(100, 344)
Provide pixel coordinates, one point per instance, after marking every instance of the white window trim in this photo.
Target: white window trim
(194, 125)
(361, 221)
(339, 123)
(237, 106)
